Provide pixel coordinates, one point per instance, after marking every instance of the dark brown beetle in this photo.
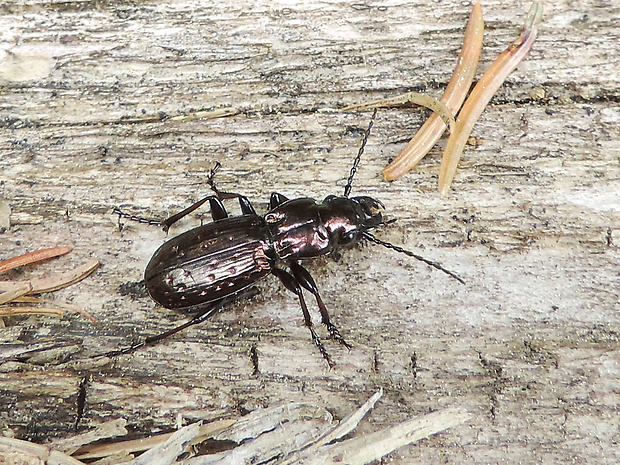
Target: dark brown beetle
(213, 262)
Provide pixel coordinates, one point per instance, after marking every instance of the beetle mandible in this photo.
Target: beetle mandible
(210, 264)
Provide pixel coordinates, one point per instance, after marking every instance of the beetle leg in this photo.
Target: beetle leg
(303, 277)
(246, 206)
(212, 308)
(206, 312)
(244, 203)
(218, 211)
(292, 285)
(211, 176)
(139, 219)
(276, 200)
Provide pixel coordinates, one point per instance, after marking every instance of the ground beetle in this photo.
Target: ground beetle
(212, 263)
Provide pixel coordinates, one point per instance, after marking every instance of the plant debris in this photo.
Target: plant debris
(18, 293)
(456, 91)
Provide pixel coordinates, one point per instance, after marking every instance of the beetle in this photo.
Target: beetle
(211, 264)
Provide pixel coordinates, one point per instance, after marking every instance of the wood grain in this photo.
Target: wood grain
(93, 96)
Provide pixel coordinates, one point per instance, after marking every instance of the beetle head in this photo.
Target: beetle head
(346, 219)
(371, 210)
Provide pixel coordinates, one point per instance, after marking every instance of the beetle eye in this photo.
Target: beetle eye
(274, 217)
(348, 237)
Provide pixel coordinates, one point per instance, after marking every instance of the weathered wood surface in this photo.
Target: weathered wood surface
(530, 345)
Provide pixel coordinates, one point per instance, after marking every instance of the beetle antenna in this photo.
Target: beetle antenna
(388, 245)
(356, 162)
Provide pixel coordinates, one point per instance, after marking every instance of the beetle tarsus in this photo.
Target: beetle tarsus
(292, 284)
(210, 178)
(139, 219)
(336, 336)
(303, 277)
(244, 203)
(319, 345)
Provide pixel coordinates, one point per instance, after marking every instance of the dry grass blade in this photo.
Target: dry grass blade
(15, 451)
(61, 306)
(166, 453)
(12, 311)
(482, 93)
(105, 430)
(372, 447)
(285, 434)
(16, 291)
(32, 257)
(95, 451)
(343, 428)
(11, 291)
(441, 110)
(453, 97)
(350, 422)
(219, 113)
(57, 280)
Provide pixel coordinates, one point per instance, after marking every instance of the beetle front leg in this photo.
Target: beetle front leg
(303, 277)
(291, 284)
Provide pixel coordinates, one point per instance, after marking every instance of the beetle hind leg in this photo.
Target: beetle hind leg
(138, 219)
(203, 314)
(209, 310)
(218, 211)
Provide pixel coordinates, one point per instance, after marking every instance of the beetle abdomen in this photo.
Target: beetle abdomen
(209, 262)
